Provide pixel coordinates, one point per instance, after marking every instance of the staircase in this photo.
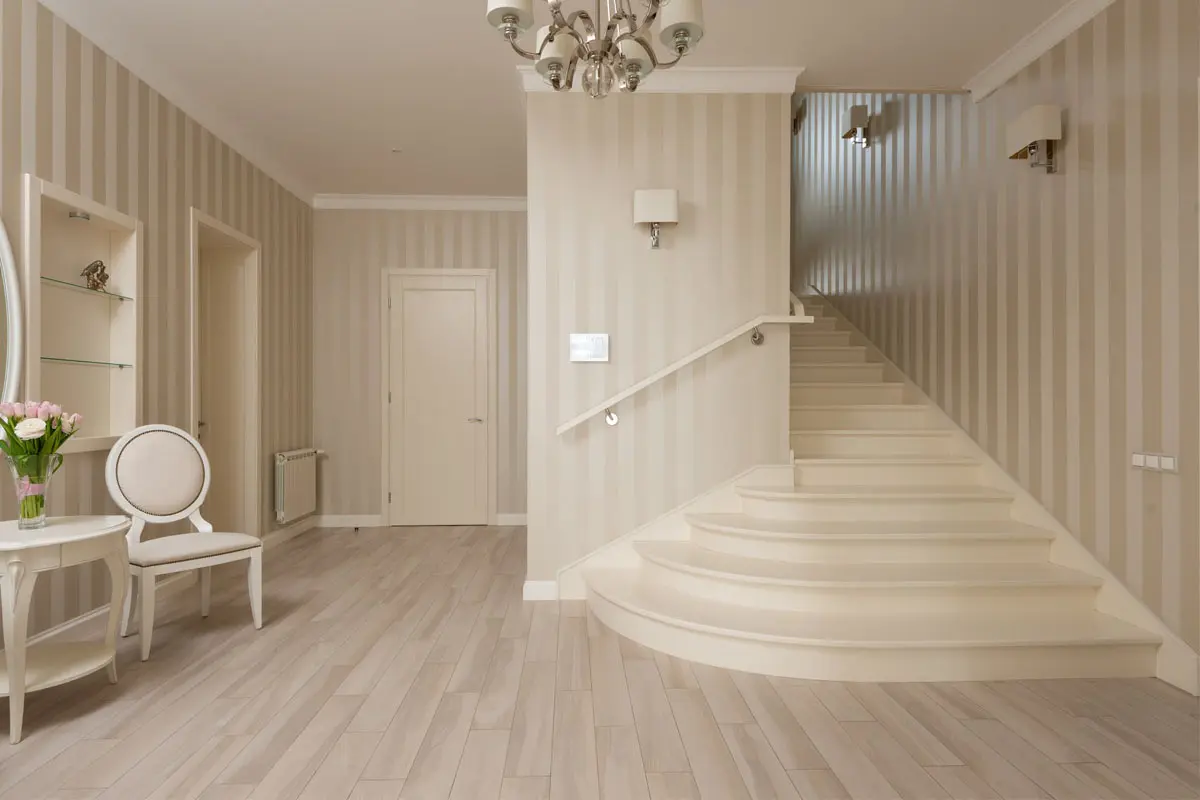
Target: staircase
(887, 560)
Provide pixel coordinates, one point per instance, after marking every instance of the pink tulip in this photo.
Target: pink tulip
(18, 410)
(33, 403)
(6, 409)
(55, 410)
(76, 421)
(43, 412)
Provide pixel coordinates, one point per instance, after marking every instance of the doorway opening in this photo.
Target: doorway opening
(225, 376)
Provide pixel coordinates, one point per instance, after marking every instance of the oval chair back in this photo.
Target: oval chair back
(157, 474)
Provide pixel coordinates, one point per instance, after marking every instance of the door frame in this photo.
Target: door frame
(251, 365)
(385, 460)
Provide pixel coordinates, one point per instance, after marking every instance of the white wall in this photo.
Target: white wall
(590, 270)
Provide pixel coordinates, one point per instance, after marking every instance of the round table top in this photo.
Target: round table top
(59, 530)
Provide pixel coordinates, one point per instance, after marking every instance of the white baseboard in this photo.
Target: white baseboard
(276, 538)
(165, 588)
(537, 591)
(512, 520)
(1178, 664)
(349, 521)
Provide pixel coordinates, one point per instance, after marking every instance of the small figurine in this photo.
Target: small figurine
(96, 275)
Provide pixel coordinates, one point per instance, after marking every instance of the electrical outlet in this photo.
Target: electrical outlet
(1139, 460)
(1169, 463)
(1152, 462)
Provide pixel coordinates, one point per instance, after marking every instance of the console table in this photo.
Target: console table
(64, 542)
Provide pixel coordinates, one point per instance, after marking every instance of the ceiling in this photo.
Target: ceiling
(319, 93)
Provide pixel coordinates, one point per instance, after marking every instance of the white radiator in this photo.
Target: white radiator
(295, 484)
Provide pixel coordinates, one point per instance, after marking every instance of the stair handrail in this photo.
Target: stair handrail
(750, 327)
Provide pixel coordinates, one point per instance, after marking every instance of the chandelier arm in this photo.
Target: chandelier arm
(522, 52)
(589, 27)
(651, 16)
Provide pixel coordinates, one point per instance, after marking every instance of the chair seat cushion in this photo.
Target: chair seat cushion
(186, 546)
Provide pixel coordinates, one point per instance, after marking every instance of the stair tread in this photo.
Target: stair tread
(626, 589)
(689, 557)
(871, 530)
(875, 491)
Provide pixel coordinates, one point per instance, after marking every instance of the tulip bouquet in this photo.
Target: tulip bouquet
(31, 435)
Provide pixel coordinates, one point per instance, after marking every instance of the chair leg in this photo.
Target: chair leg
(205, 590)
(127, 612)
(146, 628)
(254, 581)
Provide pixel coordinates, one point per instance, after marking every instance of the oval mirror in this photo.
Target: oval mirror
(12, 327)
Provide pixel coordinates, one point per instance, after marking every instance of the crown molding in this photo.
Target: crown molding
(416, 202)
(118, 45)
(697, 80)
(1068, 19)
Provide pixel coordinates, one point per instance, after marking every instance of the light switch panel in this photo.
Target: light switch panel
(1152, 462)
(1139, 460)
(1168, 463)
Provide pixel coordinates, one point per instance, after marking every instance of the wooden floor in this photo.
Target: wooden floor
(402, 664)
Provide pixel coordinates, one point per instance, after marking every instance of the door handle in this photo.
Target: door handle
(475, 421)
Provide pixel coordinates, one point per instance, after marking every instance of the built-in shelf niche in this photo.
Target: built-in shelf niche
(82, 346)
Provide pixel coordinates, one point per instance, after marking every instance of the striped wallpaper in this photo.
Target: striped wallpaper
(1053, 316)
(591, 271)
(352, 248)
(71, 114)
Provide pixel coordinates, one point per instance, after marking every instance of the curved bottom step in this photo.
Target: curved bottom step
(868, 649)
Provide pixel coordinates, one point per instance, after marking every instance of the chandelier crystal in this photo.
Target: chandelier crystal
(615, 51)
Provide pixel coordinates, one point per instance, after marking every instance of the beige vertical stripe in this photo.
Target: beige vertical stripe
(1080, 289)
(71, 114)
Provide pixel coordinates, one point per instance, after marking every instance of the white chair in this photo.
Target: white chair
(159, 474)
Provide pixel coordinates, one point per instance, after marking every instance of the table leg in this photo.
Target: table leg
(16, 591)
(118, 571)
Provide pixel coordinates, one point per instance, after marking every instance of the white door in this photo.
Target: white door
(221, 428)
(438, 354)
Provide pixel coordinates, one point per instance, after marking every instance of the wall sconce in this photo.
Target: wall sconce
(856, 124)
(1034, 137)
(655, 207)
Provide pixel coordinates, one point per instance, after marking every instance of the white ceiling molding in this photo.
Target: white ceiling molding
(698, 80)
(234, 134)
(413, 202)
(1070, 18)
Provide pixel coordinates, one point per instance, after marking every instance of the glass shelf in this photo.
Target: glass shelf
(83, 362)
(80, 288)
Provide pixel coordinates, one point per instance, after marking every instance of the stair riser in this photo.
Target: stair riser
(803, 337)
(854, 419)
(873, 551)
(879, 664)
(853, 446)
(886, 475)
(828, 373)
(826, 355)
(854, 600)
(879, 509)
(818, 324)
(867, 394)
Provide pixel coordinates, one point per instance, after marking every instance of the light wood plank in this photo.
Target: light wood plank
(843, 705)
(893, 761)
(662, 749)
(574, 660)
(498, 699)
(676, 674)
(529, 747)
(1027, 758)
(338, 774)
(619, 760)
(962, 783)
(436, 763)
(390, 691)
(543, 633)
(672, 786)
(394, 756)
(713, 767)
(1053, 745)
(481, 771)
(818, 784)
(574, 774)
(1104, 782)
(610, 691)
(201, 770)
(854, 770)
(761, 771)
(377, 790)
(724, 699)
(228, 792)
(631, 650)
(904, 728)
(295, 766)
(795, 750)
(525, 789)
(471, 670)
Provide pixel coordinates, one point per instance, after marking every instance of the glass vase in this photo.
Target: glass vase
(31, 477)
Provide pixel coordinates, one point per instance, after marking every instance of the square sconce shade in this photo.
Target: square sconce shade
(1036, 124)
(855, 120)
(655, 205)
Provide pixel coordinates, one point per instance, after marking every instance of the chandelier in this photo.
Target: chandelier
(617, 53)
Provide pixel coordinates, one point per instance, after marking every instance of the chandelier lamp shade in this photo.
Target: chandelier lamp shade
(615, 50)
